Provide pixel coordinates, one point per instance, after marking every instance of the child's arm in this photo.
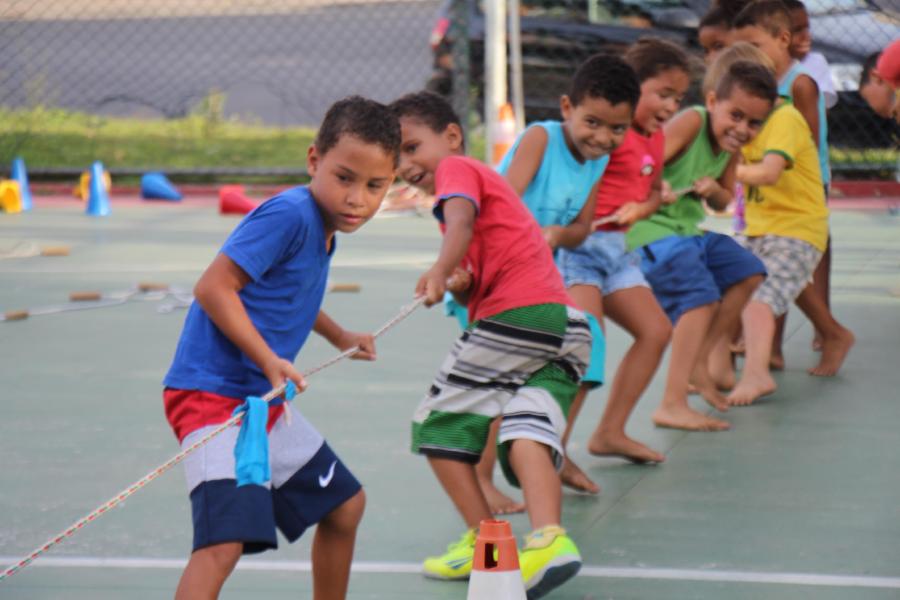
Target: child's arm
(719, 192)
(633, 212)
(527, 159)
(806, 100)
(217, 292)
(765, 172)
(342, 339)
(573, 234)
(680, 131)
(459, 222)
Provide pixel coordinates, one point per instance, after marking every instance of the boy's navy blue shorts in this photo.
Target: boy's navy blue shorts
(692, 271)
(308, 482)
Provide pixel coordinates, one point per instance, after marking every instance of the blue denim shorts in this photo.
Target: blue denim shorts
(603, 262)
(689, 272)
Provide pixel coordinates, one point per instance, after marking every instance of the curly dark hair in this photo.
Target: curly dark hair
(427, 107)
(769, 15)
(605, 76)
(651, 56)
(716, 17)
(370, 121)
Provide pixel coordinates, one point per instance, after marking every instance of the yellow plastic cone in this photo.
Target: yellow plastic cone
(504, 134)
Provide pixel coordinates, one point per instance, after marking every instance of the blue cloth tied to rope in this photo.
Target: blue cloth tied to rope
(251, 452)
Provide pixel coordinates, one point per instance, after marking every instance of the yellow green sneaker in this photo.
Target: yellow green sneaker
(549, 559)
(456, 563)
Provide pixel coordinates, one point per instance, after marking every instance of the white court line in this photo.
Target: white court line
(812, 579)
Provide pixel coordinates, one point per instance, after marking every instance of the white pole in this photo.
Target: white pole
(515, 63)
(494, 69)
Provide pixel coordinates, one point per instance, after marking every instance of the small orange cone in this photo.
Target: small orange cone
(10, 196)
(504, 133)
(495, 568)
(232, 200)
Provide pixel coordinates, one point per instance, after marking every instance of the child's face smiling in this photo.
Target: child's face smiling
(422, 149)
(594, 127)
(736, 120)
(801, 39)
(776, 47)
(714, 39)
(661, 97)
(349, 181)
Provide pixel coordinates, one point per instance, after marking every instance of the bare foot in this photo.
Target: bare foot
(776, 362)
(738, 347)
(707, 388)
(721, 370)
(500, 503)
(623, 446)
(834, 351)
(750, 388)
(692, 389)
(684, 417)
(573, 477)
(817, 342)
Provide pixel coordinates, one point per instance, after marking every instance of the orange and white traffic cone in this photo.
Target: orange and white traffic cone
(495, 568)
(504, 133)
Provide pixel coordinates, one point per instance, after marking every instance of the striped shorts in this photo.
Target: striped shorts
(523, 364)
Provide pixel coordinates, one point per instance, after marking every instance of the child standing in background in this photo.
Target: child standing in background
(602, 276)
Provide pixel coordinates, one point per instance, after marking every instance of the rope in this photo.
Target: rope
(233, 421)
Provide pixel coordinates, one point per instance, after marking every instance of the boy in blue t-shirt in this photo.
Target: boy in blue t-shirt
(255, 306)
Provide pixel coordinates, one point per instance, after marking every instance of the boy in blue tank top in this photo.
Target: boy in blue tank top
(556, 166)
(255, 306)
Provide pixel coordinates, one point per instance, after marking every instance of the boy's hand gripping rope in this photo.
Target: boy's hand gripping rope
(233, 421)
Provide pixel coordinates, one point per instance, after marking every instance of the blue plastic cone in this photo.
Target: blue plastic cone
(156, 186)
(21, 175)
(98, 198)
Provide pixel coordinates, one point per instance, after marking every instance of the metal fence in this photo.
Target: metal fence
(239, 86)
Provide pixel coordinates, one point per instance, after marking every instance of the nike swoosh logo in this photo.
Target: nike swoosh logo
(324, 480)
(458, 563)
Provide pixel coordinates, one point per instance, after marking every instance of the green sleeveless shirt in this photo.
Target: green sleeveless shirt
(684, 216)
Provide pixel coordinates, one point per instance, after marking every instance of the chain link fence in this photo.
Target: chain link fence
(228, 86)
(205, 85)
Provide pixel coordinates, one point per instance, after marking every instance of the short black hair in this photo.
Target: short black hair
(651, 56)
(731, 8)
(770, 15)
(367, 120)
(794, 4)
(716, 17)
(867, 67)
(754, 78)
(605, 76)
(428, 107)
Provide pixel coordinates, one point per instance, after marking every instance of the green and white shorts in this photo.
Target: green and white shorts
(790, 264)
(524, 364)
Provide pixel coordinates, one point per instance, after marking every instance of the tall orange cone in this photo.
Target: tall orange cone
(495, 568)
(504, 134)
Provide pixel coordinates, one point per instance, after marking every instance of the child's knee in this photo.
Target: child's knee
(656, 333)
(346, 517)
(220, 557)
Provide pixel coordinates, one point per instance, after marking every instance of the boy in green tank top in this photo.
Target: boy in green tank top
(702, 279)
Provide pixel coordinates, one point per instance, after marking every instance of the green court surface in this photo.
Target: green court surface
(799, 500)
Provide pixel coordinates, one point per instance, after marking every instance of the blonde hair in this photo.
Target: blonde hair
(740, 51)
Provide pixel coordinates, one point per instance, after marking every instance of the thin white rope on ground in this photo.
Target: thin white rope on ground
(233, 421)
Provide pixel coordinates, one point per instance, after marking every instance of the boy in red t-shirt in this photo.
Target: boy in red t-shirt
(521, 357)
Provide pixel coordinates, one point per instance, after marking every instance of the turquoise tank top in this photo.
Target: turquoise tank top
(561, 186)
(784, 89)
